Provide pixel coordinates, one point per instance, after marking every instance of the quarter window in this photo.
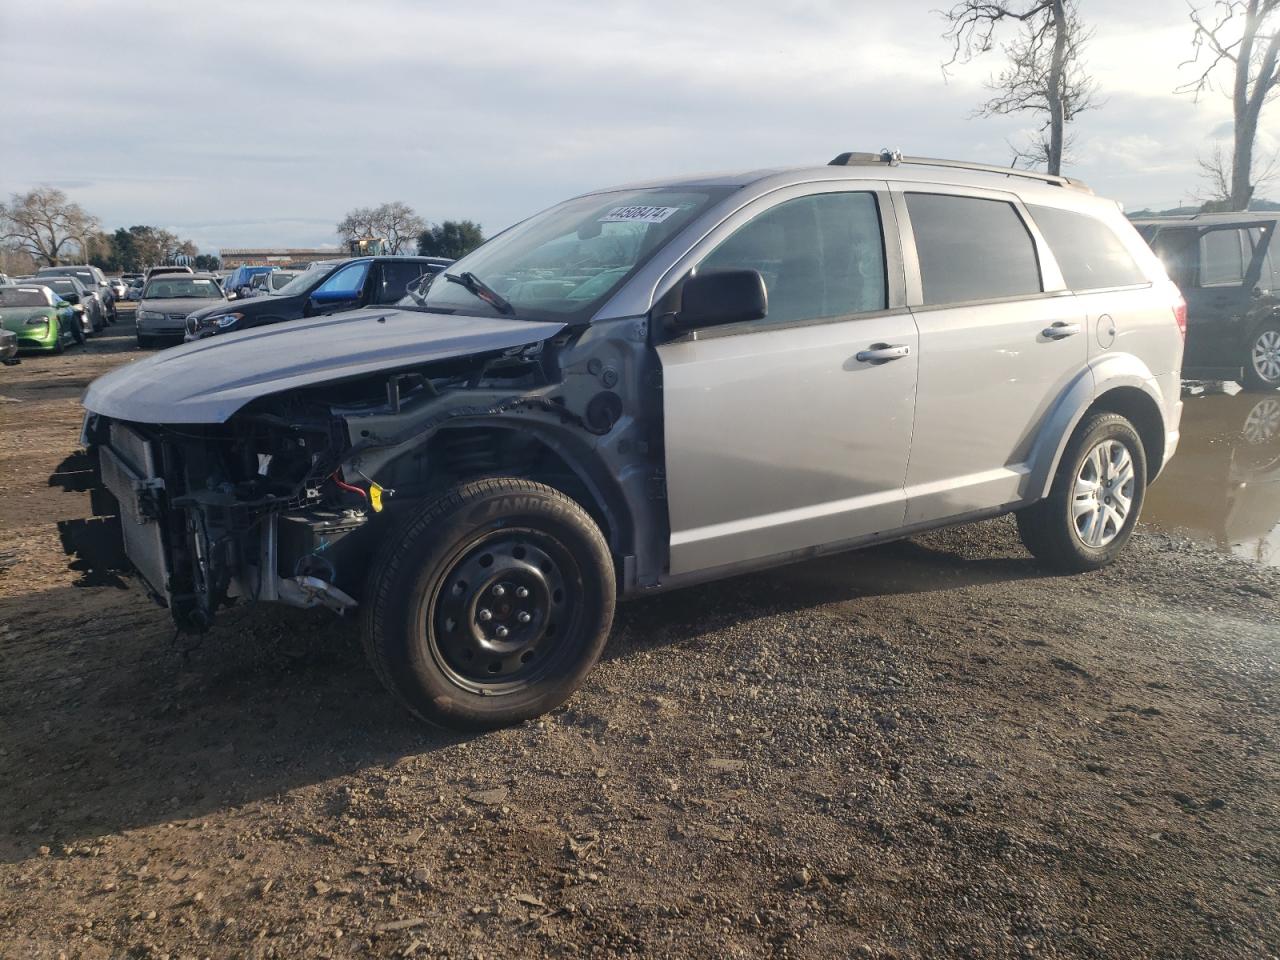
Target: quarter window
(971, 249)
(1088, 251)
(820, 256)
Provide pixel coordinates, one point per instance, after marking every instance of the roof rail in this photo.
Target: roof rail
(893, 158)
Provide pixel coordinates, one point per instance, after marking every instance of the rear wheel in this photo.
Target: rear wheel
(145, 342)
(1262, 365)
(492, 606)
(1095, 499)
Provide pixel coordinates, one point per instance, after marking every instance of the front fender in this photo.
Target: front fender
(1101, 376)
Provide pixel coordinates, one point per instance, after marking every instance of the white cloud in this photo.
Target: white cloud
(247, 124)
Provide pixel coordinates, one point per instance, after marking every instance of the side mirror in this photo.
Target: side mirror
(725, 296)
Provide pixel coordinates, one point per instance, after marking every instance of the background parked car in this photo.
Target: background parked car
(42, 323)
(1228, 267)
(266, 283)
(345, 285)
(87, 308)
(135, 289)
(118, 287)
(238, 282)
(168, 299)
(166, 268)
(93, 279)
(8, 344)
(90, 299)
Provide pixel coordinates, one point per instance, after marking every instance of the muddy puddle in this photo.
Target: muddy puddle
(1223, 486)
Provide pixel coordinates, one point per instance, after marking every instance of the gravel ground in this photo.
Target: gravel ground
(930, 749)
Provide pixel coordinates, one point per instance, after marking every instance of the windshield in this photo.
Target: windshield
(304, 282)
(23, 297)
(62, 287)
(177, 287)
(278, 281)
(564, 263)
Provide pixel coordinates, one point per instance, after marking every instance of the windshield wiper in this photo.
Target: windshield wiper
(479, 288)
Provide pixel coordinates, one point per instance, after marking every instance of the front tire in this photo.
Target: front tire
(1262, 365)
(1096, 498)
(492, 606)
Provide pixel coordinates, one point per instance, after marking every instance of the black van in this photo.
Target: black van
(1228, 267)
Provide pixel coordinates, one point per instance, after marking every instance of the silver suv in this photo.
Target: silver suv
(649, 387)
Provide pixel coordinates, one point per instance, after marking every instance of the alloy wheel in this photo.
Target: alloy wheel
(1102, 495)
(1266, 356)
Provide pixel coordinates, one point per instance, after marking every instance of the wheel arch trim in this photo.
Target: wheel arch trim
(1121, 383)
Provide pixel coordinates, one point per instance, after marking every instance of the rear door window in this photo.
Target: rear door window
(972, 249)
(1088, 251)
(820, 256)
(396, 277)
(1223, 259)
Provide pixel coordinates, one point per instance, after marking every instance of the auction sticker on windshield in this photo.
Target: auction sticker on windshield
(638, 214)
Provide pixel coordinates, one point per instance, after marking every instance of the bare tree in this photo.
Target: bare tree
(394, 222)
(1215, 170)
(1254, 58)
(45, 224)
(1045, 74)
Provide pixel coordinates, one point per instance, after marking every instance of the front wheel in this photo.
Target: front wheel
(1095, 499)
(1262, 366)
(491, 606)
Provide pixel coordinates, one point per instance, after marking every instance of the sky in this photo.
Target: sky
(260, 124)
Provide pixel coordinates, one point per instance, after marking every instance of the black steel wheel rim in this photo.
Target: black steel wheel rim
(505, 611)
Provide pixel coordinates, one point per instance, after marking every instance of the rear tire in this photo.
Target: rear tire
(491, 606)
(145, 343)
(1262, 363)
(1096, 498)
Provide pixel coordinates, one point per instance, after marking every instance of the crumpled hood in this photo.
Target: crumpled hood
(207, 381)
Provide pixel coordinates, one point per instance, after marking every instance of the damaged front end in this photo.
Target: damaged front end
(287, 499)
(252, 509)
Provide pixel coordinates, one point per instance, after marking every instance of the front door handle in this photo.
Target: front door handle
(883, 353)
(1061, 329)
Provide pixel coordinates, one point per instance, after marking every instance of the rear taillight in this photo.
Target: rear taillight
(1180, 315)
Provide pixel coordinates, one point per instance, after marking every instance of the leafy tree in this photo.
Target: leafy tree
(394, 222)
(207, 261)
(46, 224)
(1045, 74)
(1253, 60)
(452, 239)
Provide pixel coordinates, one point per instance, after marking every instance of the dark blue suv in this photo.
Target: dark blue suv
(325, 288)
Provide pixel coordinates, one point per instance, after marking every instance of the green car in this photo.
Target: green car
(43, 323)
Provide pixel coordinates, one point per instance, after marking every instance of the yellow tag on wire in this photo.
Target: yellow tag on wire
(375, 498)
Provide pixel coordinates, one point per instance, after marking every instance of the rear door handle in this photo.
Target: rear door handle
(883, 353)
(1061, 329)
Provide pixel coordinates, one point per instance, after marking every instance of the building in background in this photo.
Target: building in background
(277, 256)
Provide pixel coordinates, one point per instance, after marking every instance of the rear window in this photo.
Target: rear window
(1088, 251)
(971, 249)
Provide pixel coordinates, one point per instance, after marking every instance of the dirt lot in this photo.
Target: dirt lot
(928, 749)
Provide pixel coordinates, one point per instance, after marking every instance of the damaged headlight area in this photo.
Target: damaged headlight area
(253, 509)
